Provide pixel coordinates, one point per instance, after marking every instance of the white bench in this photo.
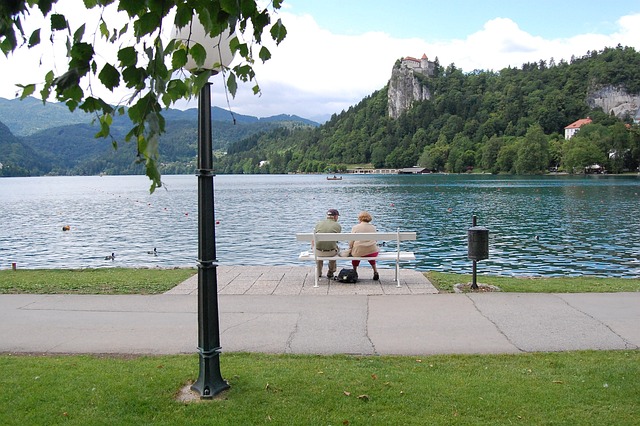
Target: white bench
(396, 256)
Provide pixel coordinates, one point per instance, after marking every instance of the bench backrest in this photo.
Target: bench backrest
(359, 236)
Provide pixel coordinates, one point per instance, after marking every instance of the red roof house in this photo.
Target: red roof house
(573, 128)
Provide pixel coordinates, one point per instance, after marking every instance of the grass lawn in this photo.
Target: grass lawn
(92, 281)
(569, 388)
(445, 282)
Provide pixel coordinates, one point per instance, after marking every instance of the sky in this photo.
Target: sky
(338, 52)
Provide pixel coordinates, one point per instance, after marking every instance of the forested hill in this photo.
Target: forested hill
(510, 121)
(38, 139)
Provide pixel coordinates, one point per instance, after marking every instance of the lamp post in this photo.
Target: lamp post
(210, 381)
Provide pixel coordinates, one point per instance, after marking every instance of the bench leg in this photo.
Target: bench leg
(315, 274)
(397, 274)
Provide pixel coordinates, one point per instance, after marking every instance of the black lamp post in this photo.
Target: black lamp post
(210, 381)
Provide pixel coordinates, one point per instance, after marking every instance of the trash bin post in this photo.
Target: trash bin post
(478, 240)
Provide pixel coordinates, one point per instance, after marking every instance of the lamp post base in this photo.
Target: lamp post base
(210, 382)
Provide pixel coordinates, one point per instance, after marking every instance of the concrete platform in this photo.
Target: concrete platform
(298, 280)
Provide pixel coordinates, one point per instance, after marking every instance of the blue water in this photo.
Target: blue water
(538, 226)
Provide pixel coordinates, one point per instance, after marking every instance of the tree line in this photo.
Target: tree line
(509, 121)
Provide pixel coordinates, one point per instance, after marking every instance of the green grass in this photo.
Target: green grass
(155, 281)
(92, 281)
(445, 282)
(570, 388)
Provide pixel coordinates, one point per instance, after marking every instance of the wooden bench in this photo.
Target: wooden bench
(396, 256)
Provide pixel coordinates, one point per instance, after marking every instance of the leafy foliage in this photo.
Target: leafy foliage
(511, 121)
(143, 68)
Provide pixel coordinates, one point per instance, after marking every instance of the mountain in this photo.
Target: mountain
(47, 138)
(16, 158)
(445, 119)
(30, 115)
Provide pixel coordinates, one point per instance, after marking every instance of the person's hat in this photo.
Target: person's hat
(332, 212)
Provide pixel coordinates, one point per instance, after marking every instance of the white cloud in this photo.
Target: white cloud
(315, 73)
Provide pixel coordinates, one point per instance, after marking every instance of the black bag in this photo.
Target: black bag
(347, 276)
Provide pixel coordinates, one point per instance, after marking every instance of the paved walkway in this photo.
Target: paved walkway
(296, 280)
(277, 310)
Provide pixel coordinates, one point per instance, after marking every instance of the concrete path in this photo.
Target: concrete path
(295, 280)
(261, 311)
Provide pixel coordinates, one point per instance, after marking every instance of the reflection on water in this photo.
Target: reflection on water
(538, 225)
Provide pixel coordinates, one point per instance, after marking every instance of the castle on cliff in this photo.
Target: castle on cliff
(422, 65)
(405, 87)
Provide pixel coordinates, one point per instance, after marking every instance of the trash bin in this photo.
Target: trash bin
(478, 237)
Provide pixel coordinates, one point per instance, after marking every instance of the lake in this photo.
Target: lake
(538, 226)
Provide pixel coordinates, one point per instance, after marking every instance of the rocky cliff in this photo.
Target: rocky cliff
(614, 100)
(405, 88)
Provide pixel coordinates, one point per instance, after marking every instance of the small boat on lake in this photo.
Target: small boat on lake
(334, 177)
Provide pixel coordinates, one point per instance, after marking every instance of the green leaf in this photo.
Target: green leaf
(245, 72)
(34, 39)
(127, 56)
(73, 95)
(265, 55)
(77, 36)
(46, 88)
(81, 55)
(71, 104)
(242, 48)
(104, 31)
(200, 79)
(260, 21)
(105, 127)
(248, 7)
(171, 46)
(27, 90)
(232, 85)
(124, 29)
(230, 6)
(58, 22)
(43, 5)
(176, 89)
(109, 76)
(92, 104)
(183, 16)
(8, 44)
(134, 77)
(132, 133)
(49, 77)
(198, 53)
(146, 24)
(132, 7)
(68, 79)
(136, 111)
(179, 59)
(278, 31)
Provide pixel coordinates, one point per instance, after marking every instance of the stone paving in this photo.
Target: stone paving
(299, 280)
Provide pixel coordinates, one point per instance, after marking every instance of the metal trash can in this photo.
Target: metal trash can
(478, 237)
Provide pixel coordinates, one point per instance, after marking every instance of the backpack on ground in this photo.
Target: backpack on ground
(347, 276)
